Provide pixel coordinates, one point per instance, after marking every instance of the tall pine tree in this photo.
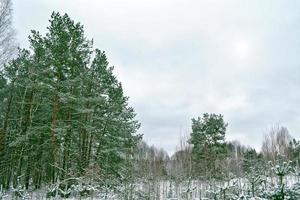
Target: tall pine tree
(208, 145)
(63, 114)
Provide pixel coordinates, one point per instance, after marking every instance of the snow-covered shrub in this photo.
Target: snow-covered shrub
(19, 191)
(2, 193)
(280, 190)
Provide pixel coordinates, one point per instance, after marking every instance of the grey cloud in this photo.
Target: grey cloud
(176, 60)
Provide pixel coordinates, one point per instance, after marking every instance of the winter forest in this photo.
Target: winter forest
(68, 131)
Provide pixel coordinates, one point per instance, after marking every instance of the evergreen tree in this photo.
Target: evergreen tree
(251, 160)
(63, 115)
(208, 144)
(294, 151)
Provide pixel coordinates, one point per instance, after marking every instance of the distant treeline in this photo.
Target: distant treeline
(205, 155)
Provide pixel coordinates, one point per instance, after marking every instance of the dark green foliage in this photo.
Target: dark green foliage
(252, 161)
(294, 151)
(63, 114)
(208, 145)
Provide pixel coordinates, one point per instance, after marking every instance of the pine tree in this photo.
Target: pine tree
(62, 115)
(252, 160)
(207, 139)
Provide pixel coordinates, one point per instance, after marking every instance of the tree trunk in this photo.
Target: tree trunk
(55, 111)
(5, 124)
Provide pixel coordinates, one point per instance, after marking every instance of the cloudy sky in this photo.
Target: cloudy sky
(178, 59)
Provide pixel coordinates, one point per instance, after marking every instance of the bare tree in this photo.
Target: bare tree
(276, 142)
(7, 33)
(180, 166)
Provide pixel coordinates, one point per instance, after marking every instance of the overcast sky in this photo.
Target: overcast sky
(178, 59)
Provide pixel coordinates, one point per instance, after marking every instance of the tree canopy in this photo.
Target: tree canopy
(63, 111)
(207, 139)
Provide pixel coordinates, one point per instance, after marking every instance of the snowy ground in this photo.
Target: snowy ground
(162, 190)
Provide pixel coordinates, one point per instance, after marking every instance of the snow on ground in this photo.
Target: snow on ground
(152, 190)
